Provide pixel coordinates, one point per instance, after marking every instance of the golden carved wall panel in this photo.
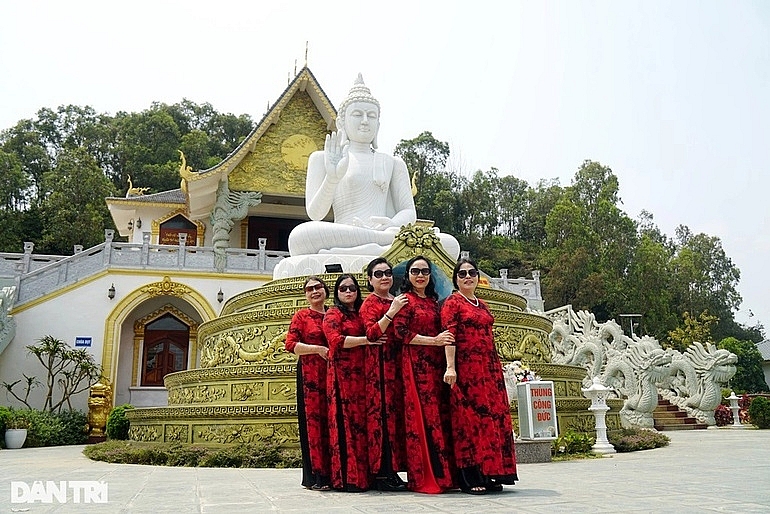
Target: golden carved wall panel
(278, 162)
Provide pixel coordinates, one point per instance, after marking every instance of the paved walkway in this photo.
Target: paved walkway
(703, 470)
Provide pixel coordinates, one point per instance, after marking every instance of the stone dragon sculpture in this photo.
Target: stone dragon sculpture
(229, 207)
(695, 379)
(634, 374)
(639, 369)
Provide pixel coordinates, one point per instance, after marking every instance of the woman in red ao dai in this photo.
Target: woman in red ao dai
(306, 339)
(346, 385)
(384, 387)
(426, 413)
(481, 421)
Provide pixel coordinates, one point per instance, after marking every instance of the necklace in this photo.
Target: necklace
(475, 304)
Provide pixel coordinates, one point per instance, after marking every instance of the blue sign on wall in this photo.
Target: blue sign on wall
(83, 341)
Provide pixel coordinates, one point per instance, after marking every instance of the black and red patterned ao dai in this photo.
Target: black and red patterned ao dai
(426, 402)
(481, 422)
(346, 385)
(312, 408)
(384, 392)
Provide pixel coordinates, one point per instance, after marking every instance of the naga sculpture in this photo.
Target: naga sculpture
(639, 369)
(230, 207)
(695, 379)
(634, 373)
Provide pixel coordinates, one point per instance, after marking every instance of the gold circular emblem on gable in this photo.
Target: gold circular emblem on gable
(296, 149)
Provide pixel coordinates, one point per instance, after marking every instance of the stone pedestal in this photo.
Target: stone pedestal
(529, 452)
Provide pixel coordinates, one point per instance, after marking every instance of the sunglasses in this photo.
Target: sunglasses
(417, 271)
(473, 273)
(310, 289)
(380, 273)
(351, 288)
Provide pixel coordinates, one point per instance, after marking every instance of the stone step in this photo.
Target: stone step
(668, 416)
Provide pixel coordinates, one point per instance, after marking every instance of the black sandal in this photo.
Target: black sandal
(477, 490)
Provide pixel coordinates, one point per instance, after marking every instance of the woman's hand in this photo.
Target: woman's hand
(450, 376)
(444, 338)
(323, 352)
(397, 304)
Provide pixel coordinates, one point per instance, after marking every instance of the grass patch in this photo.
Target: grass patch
(265, 455)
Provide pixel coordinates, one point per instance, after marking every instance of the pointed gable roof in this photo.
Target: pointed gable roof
(201, 186)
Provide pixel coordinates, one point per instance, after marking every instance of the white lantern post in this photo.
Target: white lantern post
(597, 393)
(735, 408)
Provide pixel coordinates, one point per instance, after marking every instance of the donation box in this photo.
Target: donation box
(537, 410)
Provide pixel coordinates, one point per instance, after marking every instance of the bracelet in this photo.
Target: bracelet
(388, 317)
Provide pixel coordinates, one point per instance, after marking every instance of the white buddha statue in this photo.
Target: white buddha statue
(369, 191)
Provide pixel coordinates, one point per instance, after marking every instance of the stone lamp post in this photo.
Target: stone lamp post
(597, 393)
(735, 408)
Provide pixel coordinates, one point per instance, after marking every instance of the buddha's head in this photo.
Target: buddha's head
(359, 114)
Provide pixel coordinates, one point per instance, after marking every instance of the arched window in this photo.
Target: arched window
(166, 342)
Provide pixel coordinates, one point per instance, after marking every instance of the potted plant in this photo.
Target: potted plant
(16, 426)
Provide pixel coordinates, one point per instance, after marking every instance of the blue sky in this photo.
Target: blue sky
(673, 96)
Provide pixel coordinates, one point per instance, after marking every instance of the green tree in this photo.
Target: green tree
(692, 329)
(74, 212)
(439, 192)
(705, 278)
(749, 377)
(648, 287)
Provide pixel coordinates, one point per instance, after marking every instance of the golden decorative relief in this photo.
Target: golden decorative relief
(248, 392)
(147, 433)
(515, 343)
(284, 391)
(177, 433)
(196, 394)
(252, 345)
(278, 162)
(174, 413)
(228, 373)
(166, 287)
(284, 433)
(296, 150)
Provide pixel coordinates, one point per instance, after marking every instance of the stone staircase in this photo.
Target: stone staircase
(667, 416)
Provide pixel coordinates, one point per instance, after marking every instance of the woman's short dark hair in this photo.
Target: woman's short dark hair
(337, 302)
(406, 285)
(463, 260)
(317, 279)
(370, 269)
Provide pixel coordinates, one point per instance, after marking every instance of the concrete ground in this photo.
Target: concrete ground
(701, 471)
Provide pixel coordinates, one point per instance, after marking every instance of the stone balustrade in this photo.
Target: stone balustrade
(36, 275)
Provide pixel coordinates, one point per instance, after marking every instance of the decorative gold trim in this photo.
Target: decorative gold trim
(166, 287)
(210, 411)
(227, 373)
(134, 203)
(128, 305)
(200, 227)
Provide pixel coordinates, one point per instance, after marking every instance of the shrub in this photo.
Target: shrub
(74, 428)
(723, 416)
(267, 455)
(571, 443)
(5, 413)
(759, 412)
(117, 423)
(44, 428)
(634, 439)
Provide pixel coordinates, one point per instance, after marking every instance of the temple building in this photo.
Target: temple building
(136, 306)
